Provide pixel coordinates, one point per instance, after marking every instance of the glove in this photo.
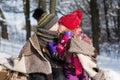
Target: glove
(52, 47)
(65, 37)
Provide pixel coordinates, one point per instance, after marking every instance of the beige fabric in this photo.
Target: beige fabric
(101, 75)
(85, 53)
(0, 67)
(79, 46)
(16, 64)
(87, 64)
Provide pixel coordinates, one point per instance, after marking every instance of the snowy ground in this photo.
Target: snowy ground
(111, 65)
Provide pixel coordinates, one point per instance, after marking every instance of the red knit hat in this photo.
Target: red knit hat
(71, 20)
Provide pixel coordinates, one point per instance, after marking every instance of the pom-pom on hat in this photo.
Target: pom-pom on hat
(38, 13)
(71, 20)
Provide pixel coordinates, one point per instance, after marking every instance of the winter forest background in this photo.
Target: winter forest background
(101, 21)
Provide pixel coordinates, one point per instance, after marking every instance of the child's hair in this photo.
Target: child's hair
(76, 32)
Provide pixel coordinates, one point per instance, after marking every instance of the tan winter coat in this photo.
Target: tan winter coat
(30, 60)
(34, 59)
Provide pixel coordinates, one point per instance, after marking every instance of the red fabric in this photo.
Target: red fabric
(78, 66)
(71, 20)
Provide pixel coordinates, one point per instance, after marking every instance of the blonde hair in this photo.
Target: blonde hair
(76, 32)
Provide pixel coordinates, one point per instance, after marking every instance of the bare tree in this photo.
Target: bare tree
(106, 5)
(118, 13)
(3, 25)
(95, 24)
(42, 4)
(27, 18)
(52, 6)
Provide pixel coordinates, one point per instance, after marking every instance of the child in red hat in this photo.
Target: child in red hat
(82, 59)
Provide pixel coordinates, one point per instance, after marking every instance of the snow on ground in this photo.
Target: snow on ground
(114, 75)
(4, 55)
(111, 65)
(9, 48)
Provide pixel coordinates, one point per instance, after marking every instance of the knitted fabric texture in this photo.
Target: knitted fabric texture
(47, 21)
(71, 20)
(38, 13)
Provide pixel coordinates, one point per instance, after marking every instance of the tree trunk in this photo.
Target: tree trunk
(95, 24)
(118, 12)
(106, 19)
(27, 18)
(52, 6)
(3, 25)
(42, 4)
